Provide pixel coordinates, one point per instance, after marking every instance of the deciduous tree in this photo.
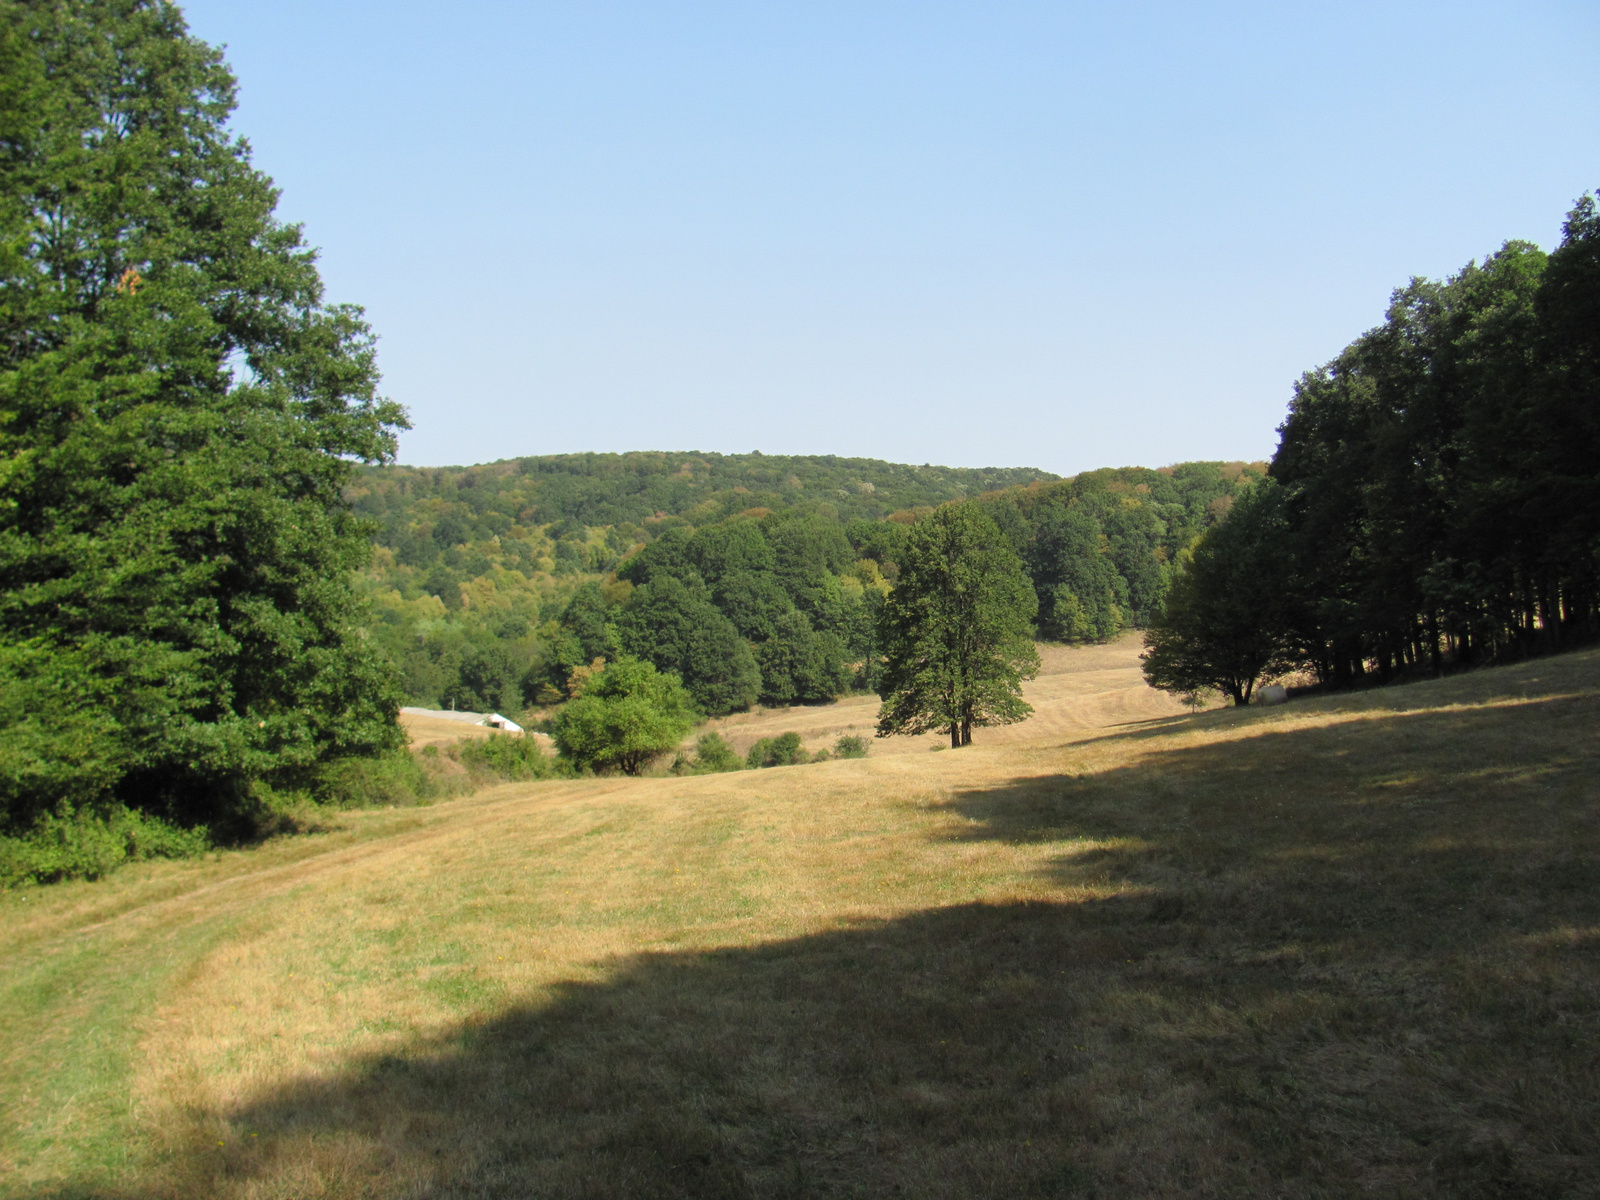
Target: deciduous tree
(1223, 624)
(957, 629)
(629, 715)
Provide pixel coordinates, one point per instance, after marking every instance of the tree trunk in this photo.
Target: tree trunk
(955, 735)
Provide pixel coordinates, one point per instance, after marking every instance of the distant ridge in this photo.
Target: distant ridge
(641, 485)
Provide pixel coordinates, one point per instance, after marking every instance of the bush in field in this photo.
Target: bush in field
(510, 756)
(712, 754)
(393, 778)
(851, 746)
(784, 750)
(628, 715)
(404, 777)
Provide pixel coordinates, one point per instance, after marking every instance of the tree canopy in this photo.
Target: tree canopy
(468, 563)
(180, 410)
(1439, 486)
(957, 631)
(629, 714)
(1224, 624)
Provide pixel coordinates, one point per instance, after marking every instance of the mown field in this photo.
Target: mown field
(1348, 946)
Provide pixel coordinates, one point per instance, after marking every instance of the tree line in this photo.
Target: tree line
(1434, 500)
(955, 640)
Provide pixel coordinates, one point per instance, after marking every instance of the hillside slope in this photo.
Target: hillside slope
(1078, 688)
(1345, 946)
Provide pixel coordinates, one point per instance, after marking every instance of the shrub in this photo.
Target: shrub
(510, 756)
(88, 844)
(628, 715)
(392, 778)
(782, 751)
(713, 754)
(851, 746)
(404, 777)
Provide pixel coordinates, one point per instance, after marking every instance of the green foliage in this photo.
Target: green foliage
(734, 546)
(809, 549)
(712, 755)
(84, 843)
(628, 715)
(850, 746)
(667, 555)
(510, 756)
(464, 570)
(1224, 624)
(755, 602)
(1082, 594)
(674, 625)
(957, 629)
(402, 778)
(784, 750)
(1439, 477)
(396, 777)
(515, 499)
(799, 665)
(182, 412)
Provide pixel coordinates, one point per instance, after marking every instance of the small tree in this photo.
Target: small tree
(784, 750)
(712, 754)
(851, 746)
(1223, 623)
(628, 715)
(957, 629)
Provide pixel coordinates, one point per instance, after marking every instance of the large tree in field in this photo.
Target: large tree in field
(179, 412)
(956, 631)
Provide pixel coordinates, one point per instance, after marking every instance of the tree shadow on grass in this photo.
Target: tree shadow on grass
(1354, 959)
(1394, 919)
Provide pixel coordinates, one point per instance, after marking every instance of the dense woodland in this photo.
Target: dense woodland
(1434, 500)
(757, 579)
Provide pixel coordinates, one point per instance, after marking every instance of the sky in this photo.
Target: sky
(1001, 233)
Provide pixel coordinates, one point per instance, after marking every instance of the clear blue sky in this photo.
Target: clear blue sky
(1062, 235)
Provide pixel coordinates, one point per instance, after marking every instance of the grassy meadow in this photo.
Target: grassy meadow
(1346, 946)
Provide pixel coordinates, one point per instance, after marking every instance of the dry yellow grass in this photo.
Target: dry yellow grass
(1346, 946)
(435, 731)
(1078, 688)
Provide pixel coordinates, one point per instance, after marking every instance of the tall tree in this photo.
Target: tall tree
(957, 631)
(1224, 622)
(179, 413)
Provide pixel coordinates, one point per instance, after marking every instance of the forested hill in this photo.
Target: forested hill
(490, 584)
(618, 489)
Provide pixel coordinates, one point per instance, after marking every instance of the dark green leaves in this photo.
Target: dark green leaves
(957, 629)
(179, 413)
